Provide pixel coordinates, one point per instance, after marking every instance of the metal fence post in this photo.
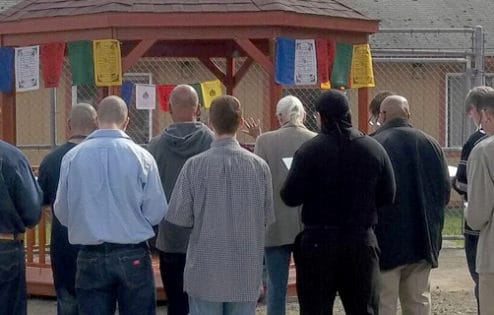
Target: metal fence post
(478, 51)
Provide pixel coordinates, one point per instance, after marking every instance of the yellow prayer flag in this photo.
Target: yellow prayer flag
(362, 73)
(107, 62)
(325, 85)
(210, 89)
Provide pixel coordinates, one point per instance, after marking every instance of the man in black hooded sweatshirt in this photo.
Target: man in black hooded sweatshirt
(342, 177)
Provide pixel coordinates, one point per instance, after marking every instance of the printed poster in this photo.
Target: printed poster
(27, 68)
(145, 96)
(305, 62)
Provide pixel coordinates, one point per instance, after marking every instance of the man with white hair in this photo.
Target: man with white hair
(273, 147)
(409, 233)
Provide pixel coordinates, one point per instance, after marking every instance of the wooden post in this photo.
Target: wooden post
(8, 117)
(363, 109)
(229, 77)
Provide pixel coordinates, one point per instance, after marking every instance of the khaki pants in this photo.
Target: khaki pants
(411, 283)
(486, 288)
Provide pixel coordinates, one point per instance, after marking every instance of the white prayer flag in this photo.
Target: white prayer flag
(145, 96)
(305, 62)
(27, 68)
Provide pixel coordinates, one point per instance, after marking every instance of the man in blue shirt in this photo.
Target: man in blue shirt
(110, 197)
(63, 255)
(20, 207)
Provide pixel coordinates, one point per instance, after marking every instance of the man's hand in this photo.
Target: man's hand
(253, 127)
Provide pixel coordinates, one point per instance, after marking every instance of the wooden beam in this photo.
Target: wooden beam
(363, 109)
(242, 70)
(229, 77)
(136, 53)
(8, 116)
(213, 68)
(256, 54)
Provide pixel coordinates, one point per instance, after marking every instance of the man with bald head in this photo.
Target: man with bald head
(63, 255)
(410, 235)
(110, 196)
(178, 142)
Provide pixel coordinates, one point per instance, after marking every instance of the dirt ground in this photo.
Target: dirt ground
(451, 285)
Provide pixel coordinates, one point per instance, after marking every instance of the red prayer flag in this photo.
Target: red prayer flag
(52, 55)
(164, 95)
(331, 53)
(322, 61)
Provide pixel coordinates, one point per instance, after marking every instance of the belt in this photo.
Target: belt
(105, 247)
(12, 236)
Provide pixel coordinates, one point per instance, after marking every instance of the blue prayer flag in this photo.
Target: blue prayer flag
(6, 69)
(285, 61)
(126, 91)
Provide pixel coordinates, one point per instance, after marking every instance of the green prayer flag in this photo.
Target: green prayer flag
(81, 62)
(342, 64)
(197, 87)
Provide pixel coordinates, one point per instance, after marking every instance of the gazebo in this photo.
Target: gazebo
(241, 33)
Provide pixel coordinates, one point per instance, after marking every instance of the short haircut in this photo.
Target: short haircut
(184, 95)
(82, 118)
(225, 114)
(474, 97)
(487, 101)
(112, 109)
(375, 104)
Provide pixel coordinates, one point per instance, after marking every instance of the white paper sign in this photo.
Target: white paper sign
(452, 170)
(27, 68)
(305, 62)
(288, 162)
(145, 96)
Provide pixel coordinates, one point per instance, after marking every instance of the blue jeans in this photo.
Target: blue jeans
(63, 263)
(277, 264)
(201, 307)
(471, 254)
(109, 273)
(12, 278)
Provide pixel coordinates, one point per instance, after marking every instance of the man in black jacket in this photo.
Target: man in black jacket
(410, 235)
(341, 177)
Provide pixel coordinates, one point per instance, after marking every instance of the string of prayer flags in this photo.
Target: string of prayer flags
(81, 62)
(164, 91)
(6, 73)
(145, 96)
(362, 73)
(323, 63)
(340, 73)
(197, 87)
(210, 89)
(126, 91)
(295, 61)
(26, 68)
(107, 62)
(52, 55)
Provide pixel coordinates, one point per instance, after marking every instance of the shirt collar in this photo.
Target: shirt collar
(228, 142)
(108, 133)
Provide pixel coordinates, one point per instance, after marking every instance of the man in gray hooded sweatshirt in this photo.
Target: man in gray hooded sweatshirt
(181, 140)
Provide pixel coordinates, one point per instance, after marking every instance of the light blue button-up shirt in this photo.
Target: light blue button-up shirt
(109, 191)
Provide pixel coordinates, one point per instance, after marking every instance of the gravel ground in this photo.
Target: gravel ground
(451, 286)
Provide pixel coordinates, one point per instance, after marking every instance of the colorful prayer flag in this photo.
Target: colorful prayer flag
(6, 69)
(210, 89)
(107, 62)
(27, 68)
(145, 96)
(362, 73)
(341, 66)
(164, 95)
(284, 60)
(52, 55)
(126, 91)
(81, 62)
(322, 63)
(197, 87)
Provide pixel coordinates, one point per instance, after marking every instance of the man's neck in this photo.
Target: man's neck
(77, 138)
(225, 136)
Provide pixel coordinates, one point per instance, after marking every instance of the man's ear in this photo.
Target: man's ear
(125, 124)
(242, 122)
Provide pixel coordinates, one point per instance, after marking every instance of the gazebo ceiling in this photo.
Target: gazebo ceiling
(38, 21)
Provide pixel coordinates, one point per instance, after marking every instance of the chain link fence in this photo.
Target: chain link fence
(434, 79)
